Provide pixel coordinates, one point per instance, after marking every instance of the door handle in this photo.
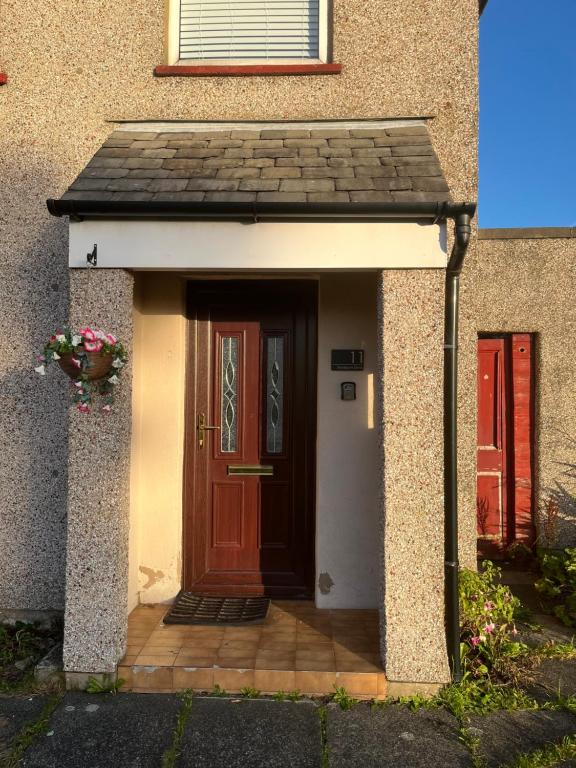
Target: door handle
(201, 428)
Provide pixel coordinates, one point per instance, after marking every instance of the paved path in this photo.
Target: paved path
(138, 731)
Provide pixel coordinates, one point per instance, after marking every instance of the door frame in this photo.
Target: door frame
(305, 291)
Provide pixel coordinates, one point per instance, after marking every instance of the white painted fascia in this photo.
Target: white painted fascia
(261, 246)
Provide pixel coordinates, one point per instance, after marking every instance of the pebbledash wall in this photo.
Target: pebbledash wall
(524, 281)
(73, 67)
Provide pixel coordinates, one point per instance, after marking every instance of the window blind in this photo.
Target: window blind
(249, 29)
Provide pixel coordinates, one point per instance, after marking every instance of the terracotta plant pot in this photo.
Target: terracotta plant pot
(100, 364)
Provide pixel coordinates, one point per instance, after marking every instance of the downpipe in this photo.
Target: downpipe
(462, 230)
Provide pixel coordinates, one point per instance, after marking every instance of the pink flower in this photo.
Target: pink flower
(77, 384)
(41, 358)
(475, 641)
(489, 628)
(84, 408)
(76, 362)
(93, 346)
(106, 408)
(87, 333)
(111, 339)
(489, 605)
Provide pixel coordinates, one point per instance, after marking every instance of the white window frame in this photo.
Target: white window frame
(173, 43)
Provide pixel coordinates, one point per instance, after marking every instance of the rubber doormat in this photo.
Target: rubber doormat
(189, 608)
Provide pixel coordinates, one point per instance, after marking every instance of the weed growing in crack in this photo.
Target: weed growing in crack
(249, 693)
(31, 732)
(104, 686)
(548, 757)
(171, 755)
(343, 699)
(322, 714)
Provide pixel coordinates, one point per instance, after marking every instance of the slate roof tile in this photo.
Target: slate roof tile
(273, 165)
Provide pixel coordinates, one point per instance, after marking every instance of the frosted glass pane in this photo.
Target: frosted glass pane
(229, 395)
(274, 393)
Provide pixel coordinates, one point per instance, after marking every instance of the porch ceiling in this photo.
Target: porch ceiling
(386, 161)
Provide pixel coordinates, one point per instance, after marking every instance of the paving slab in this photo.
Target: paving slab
(88, 731)
(224, 733)
(554, 676)
(15, 713)
(503, 735)
(393, 736)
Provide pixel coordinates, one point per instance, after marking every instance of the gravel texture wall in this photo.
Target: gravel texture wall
(526, 285)
(98, 495)
(411, 307)
(72, 68)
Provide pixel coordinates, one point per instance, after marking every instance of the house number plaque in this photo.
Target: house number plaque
(347, 359)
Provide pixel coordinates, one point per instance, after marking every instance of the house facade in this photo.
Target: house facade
(271, 215)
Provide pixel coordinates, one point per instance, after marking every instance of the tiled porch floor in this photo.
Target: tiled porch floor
(299, 647)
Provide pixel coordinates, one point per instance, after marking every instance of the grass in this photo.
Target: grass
(172, 754)
(250, 693)
(556, 651)
(325, 758)
(343, 699)
(22, 645)
(31, 732)
(102, 686)
(547, 757)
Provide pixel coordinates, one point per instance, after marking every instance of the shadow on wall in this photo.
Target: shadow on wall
(33, 412)
(558, 516)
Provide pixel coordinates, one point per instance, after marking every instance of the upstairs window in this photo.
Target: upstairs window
(250, 31)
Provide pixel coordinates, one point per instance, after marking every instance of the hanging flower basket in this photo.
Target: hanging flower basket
(92, 359)
(100, 364)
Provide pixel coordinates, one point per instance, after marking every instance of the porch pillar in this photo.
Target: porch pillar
(98, 492)
(411, 317)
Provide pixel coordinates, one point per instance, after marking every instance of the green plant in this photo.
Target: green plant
(557, 584)
(342, 698)
(488, 612)
(22, 645)
(218, 691)
(279, 696)
(104, 686)
(293, 695)
(249, 693)
(548, 757)
(170, 757)
(30, 732)
(556, 651)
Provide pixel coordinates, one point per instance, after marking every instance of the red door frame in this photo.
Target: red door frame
(510, 415)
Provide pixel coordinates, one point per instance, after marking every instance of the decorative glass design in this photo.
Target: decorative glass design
(229, 395)
(274, 393)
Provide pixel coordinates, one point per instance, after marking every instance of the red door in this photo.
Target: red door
(250, 449)
(504, 442)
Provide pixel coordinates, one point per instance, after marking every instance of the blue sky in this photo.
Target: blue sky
(528, 114)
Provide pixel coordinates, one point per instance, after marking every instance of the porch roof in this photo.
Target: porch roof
(346, 163)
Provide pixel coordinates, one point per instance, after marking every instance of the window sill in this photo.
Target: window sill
(245, 70)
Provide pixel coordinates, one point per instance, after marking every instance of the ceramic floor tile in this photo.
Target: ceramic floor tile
(154, 661)
(298, 646)
(196, 679)
(194, 660)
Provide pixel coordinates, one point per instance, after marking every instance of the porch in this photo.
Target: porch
(298, 648)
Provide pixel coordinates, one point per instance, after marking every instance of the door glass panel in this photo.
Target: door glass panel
(274, 393)
(229, 395)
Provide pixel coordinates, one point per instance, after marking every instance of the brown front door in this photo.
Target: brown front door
(250, 438)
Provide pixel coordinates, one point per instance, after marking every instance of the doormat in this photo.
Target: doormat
(189, 608)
